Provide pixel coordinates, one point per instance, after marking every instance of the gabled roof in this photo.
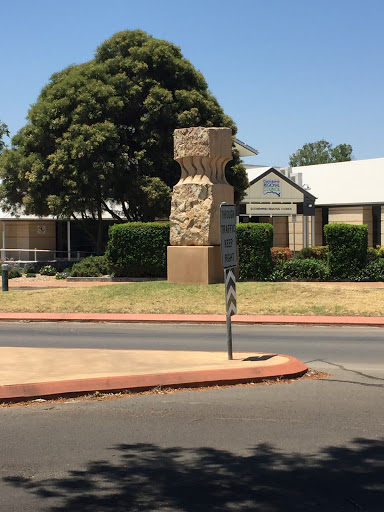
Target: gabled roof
(244, 149)
(261, 172)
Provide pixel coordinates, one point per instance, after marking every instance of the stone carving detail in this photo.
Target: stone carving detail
(195, 209)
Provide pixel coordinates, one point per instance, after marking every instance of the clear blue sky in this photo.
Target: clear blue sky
(287, 71)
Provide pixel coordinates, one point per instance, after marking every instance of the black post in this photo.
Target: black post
(4, 277)
(229, 322)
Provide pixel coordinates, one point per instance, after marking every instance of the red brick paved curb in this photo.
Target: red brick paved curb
(290, 369)
(175, 318)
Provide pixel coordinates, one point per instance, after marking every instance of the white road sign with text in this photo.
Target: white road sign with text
(228, 235)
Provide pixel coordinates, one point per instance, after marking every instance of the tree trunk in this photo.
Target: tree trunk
(99, 236)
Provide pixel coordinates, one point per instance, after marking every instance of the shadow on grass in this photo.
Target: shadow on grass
(148, 477)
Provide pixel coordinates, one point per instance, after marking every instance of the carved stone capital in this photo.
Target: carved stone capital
(203, 154)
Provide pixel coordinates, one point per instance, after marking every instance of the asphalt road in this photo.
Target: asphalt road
(358, 348)
(310, 445)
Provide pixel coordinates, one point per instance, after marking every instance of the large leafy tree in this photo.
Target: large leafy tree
(3, 131)
(320, 152)
(100, 136)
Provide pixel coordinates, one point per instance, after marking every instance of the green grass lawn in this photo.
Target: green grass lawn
(163, 297)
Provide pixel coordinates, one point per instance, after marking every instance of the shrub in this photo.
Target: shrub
(372, 254)
(254, 244)
(280, 254)
(319, 252)
(348, 247)
(93, 266)
(48, 270)
(301, 270)
(61, 275)
(303, 254)
(14, 272)
(375, 253)
(138, 249)
(29, 269)
(30, 274)
(373, 271)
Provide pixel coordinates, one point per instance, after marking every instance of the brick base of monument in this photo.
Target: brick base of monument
(194, 264)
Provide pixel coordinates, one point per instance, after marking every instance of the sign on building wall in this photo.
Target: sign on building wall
(272, 187)
(270, 209)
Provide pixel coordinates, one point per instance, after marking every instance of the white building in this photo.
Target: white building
(304, 199)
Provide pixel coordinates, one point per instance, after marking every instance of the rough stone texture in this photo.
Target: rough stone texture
(199, 141)
(195, 213)
(203, 154)
(195, 209)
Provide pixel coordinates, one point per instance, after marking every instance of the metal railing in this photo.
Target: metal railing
(35, 255)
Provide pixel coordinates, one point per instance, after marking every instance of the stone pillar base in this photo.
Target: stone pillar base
(194, 264)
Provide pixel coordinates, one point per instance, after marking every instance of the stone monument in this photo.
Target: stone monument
(194, 254)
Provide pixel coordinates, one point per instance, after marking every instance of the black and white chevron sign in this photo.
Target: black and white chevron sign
(230, 292)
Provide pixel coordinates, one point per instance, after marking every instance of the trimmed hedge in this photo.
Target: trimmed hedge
(254, 243)
(138, 249)
(347, 249)
(301, 270)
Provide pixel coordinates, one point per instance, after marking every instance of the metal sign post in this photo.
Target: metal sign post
(4, 277)
(229, 262)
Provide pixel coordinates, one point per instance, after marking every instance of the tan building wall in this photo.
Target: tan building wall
(20, 234)
(295, 233)
(280, 232)
(382, 225)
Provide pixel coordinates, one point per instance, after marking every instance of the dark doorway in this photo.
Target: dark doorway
(324, 221)
(376, 225)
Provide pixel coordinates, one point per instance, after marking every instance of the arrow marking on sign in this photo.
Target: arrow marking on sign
(230, 288)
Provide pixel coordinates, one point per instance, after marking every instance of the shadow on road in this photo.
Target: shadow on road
(148, 477)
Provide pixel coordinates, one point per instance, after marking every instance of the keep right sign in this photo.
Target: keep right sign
(228, 235)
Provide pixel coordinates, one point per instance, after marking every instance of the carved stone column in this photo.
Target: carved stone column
(194, 255)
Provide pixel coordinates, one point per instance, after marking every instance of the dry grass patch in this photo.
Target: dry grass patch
(163, 297)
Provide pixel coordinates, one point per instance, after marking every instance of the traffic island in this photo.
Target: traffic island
(50, 372)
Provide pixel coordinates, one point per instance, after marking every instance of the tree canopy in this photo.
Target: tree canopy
(3, 131)
(320, 152)
(100, 135)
